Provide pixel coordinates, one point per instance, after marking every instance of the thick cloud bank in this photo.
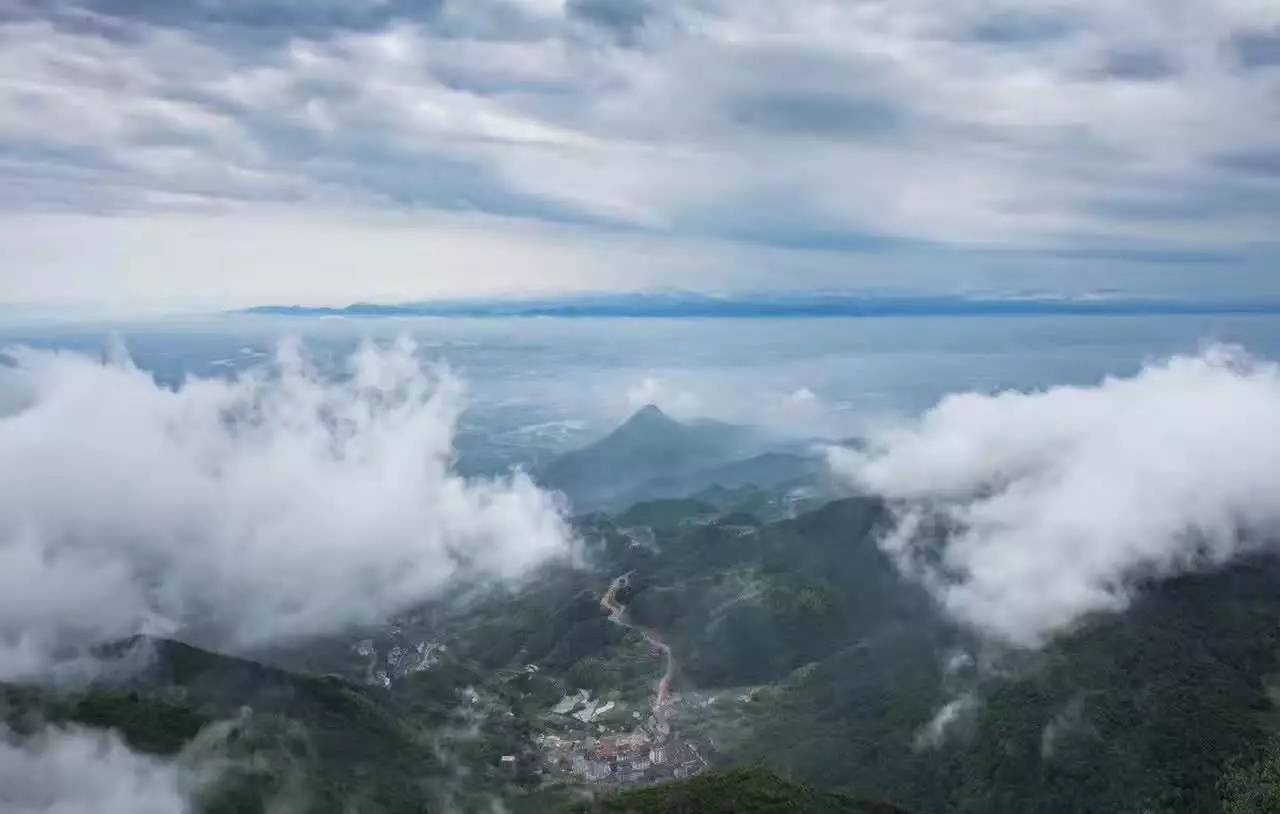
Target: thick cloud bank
(1056, 503)
(282, 502)
(79, 771)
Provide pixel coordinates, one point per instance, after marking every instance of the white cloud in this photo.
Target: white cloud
(776, 403)
(80, 771)
(679, 402)
(945, 721)
(1058, 502)
(1068, 723)
(284, 502)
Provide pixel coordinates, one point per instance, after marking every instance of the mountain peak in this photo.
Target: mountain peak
(648, 417)
(649, 411)
(648, 445)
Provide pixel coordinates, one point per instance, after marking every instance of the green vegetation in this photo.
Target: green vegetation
(825, 667)
(1146, 710)
(1252, 784)
(828, 668)
(745, 604)
(1141, 711)
(149, 725)
(666, 513)
(740, 791)
(1164, 707)
(337, 746)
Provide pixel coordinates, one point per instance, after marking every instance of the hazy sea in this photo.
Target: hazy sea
(540, 385)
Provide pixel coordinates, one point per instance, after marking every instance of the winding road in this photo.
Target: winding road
(617, 615)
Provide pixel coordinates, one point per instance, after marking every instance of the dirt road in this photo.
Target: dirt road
(618, 615)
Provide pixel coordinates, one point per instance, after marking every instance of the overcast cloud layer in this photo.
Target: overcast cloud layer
(1059, 502)
(380, 148)
(280, 503)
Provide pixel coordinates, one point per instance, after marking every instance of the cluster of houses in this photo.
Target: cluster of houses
(400, 660)
(646, 754)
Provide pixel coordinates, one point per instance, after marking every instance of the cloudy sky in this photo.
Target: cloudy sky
(328, 150)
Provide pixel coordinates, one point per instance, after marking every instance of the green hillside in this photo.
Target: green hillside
(339, 746)
(799, 650)
(739, 791)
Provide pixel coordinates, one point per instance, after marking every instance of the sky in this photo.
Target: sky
(322, 152)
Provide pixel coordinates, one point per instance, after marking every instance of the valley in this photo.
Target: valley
(693, 637)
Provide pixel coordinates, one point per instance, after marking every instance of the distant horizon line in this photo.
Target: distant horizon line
(682, 305)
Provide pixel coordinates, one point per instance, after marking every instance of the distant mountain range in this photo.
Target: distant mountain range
(681, 304)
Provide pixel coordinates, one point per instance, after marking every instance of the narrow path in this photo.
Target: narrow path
(617, 615)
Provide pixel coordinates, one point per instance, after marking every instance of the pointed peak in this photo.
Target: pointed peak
(647, 419)
(649, 411)
(650, 414)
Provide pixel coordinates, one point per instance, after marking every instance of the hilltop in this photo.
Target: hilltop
(648, 445)
(652, 455)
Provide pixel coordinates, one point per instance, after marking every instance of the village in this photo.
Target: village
(648, 753)
(591, 740)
